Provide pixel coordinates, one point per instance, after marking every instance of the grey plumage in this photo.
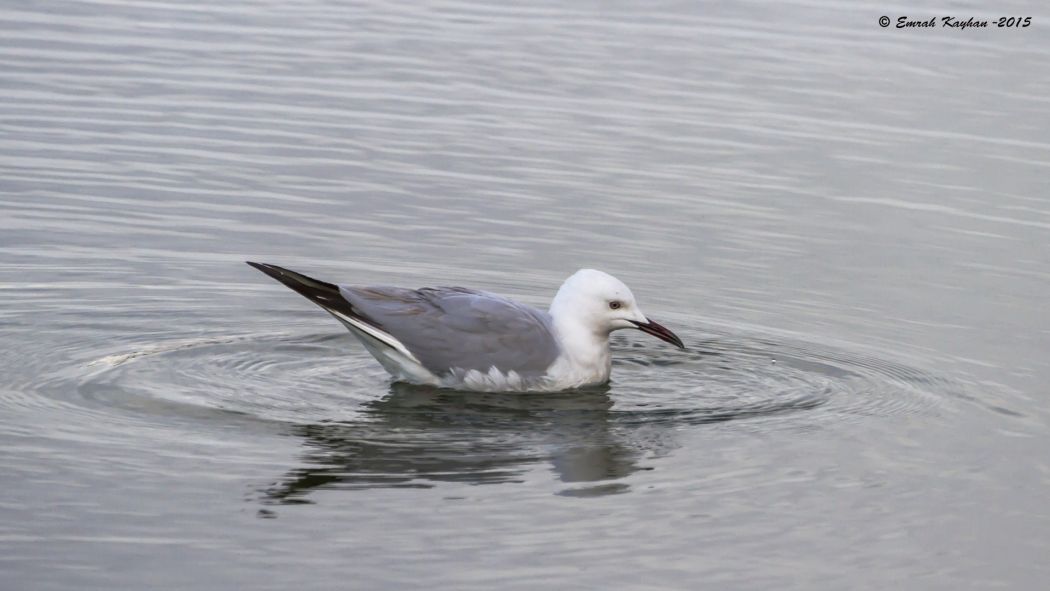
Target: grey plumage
(455, 327)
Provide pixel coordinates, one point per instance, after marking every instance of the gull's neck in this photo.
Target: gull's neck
(585, 355)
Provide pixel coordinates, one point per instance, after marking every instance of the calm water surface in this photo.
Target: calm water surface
(848, 225)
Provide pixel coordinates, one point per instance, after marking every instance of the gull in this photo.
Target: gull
(461, 338)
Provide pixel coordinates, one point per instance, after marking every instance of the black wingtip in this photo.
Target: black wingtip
(273, 271)
(319, 292)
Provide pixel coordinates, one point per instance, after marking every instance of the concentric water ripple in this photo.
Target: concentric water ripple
(275, 377)
(299, 378)
(730, 377)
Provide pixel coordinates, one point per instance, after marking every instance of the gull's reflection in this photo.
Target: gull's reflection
(419, 436)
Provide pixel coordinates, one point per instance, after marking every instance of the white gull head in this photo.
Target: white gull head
(587, 308)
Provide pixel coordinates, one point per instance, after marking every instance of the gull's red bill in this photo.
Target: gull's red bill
(661, 332)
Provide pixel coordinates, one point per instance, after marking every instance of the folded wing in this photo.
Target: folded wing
(453, 328)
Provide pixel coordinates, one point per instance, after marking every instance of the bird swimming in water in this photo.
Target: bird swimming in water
(474, 340)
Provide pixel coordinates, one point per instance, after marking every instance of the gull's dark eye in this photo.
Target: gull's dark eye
(614, 305)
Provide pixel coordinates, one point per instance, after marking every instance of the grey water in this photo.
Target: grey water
(849, 226)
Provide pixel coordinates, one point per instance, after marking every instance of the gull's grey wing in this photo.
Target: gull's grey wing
(453, 327)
